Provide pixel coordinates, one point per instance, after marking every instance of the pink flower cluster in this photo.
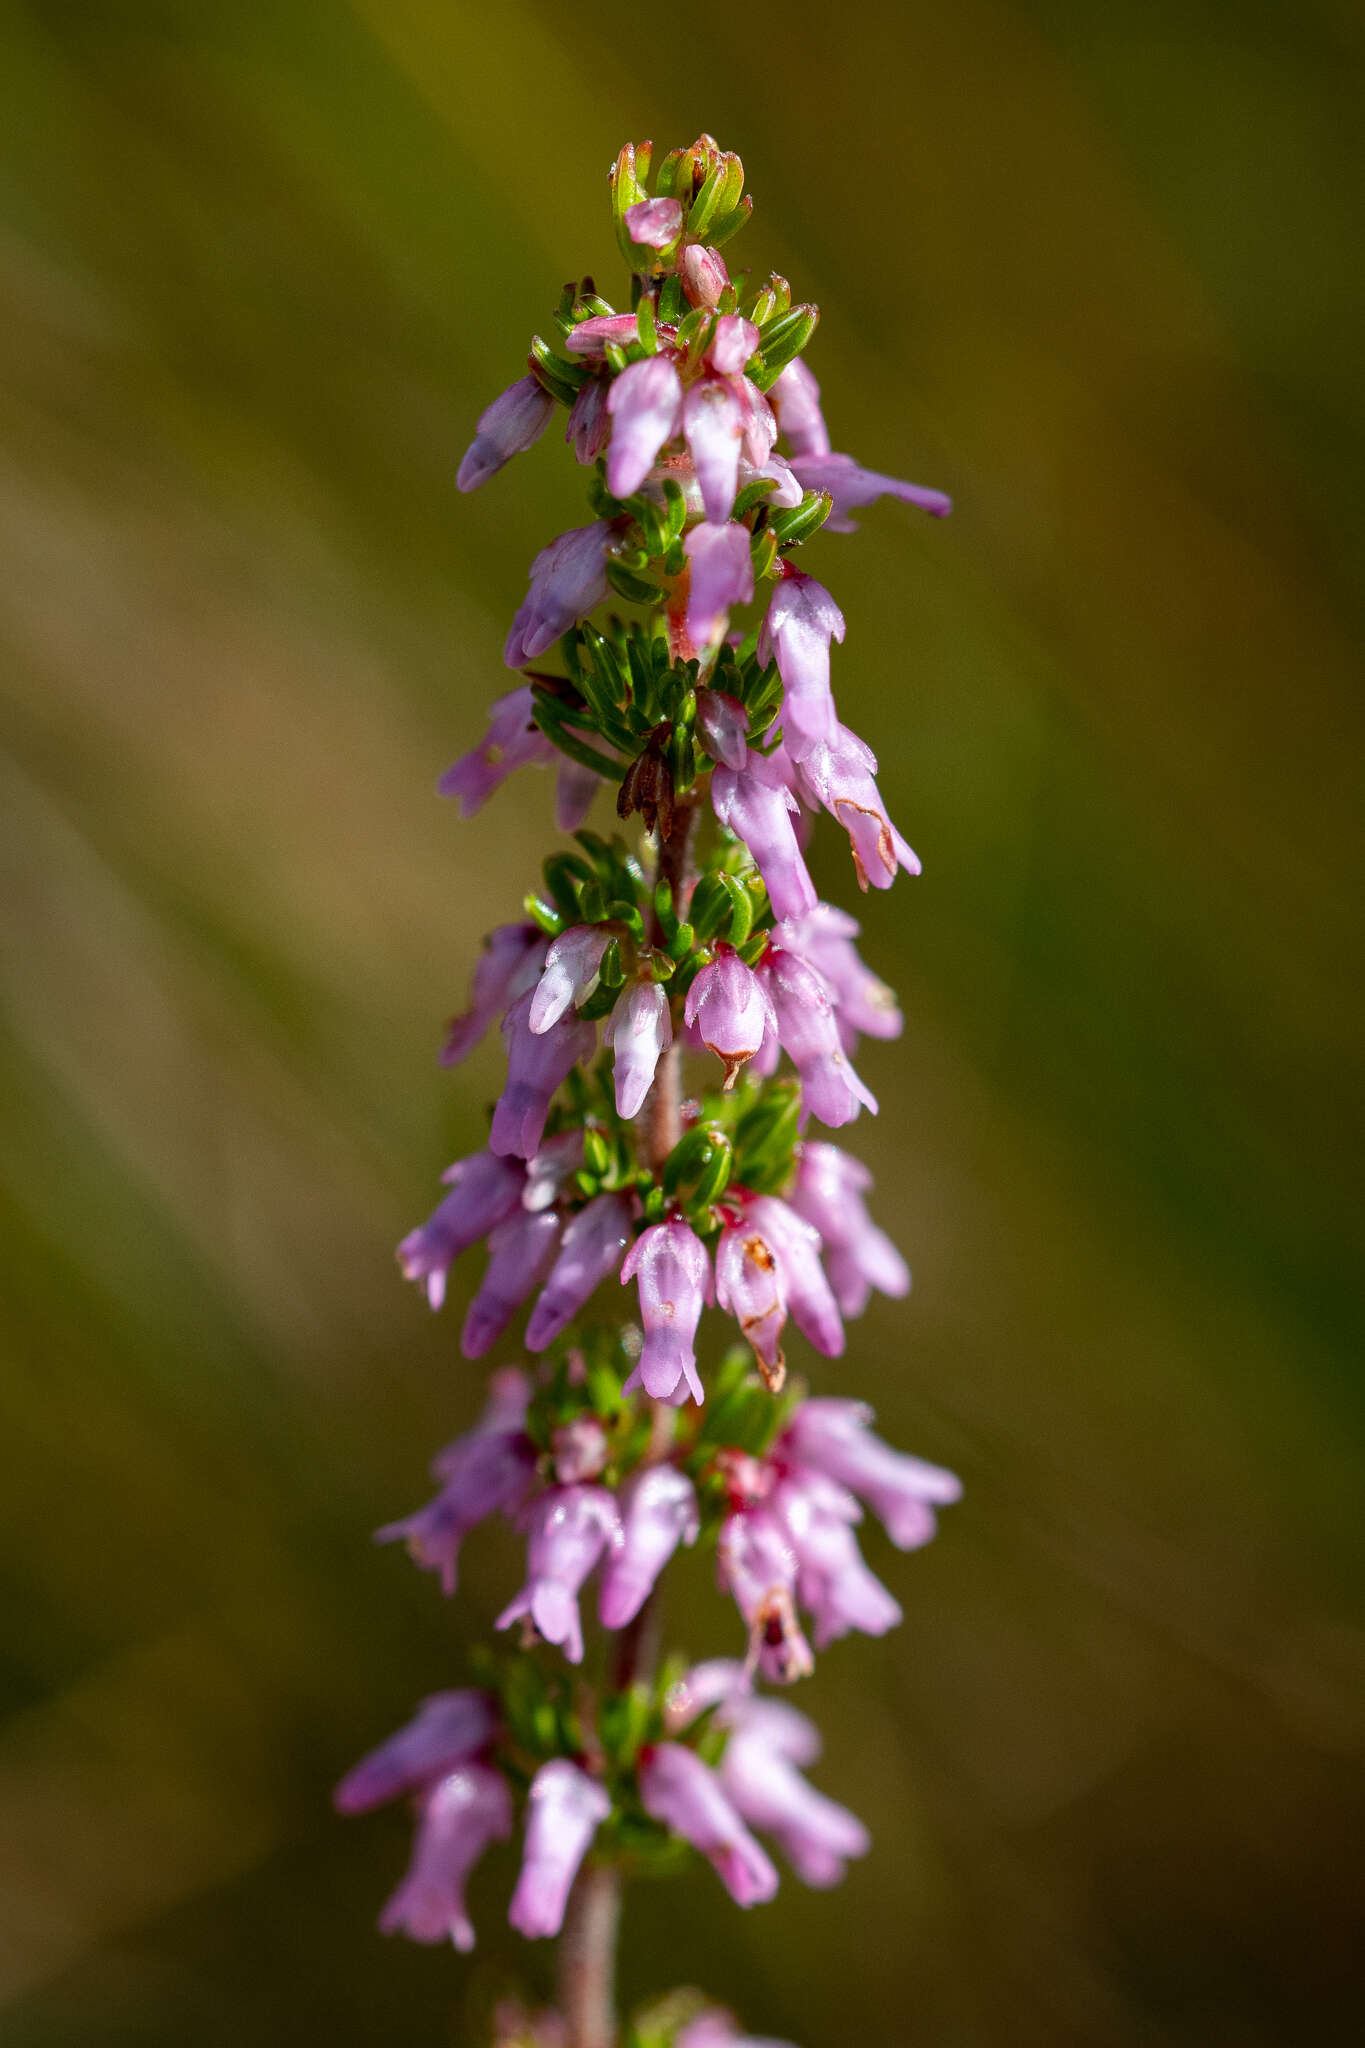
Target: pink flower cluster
(786, 1542)
(770, 1255)
(445, 1760)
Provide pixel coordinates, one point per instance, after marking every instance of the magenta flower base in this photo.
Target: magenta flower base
(659, 1211)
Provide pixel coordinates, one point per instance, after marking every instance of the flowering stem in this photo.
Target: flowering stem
(587, 1949)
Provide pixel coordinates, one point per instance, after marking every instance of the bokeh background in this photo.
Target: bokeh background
(1096, 271)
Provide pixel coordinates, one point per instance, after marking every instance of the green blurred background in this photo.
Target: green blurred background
(1096, 270)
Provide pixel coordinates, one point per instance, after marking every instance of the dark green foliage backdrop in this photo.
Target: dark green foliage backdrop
(1096, 271)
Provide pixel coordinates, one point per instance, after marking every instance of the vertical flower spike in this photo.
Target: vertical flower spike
(564, 1811)
(703, 700)
(802, 620)
(461, 1815)
(675, 1279)
(514, 422)
(677, 1788)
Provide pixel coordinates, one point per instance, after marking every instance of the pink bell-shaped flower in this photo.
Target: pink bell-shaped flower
(568, 1528)
(460, 1815)
(677, 1788)
(564, 1809)
(675, 1279)
(513, 422)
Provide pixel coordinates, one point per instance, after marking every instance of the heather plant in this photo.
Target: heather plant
(681, 1015)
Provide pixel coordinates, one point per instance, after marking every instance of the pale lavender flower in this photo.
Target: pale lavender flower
(570, 973)
(512, 740)
(658, 1511)
(675, 1279)
(722, 575)
(579, 1449)
(483, 1191)
(645, 403)
(519, 1251)
(638, 1031)
(723, 724)
(447, 1729)
(733, 342)
(756, 804)
(654, 223)
(830, 1089)
(801, 621)
(553, 1162)
(461, 1815)
(591, 337)
(788, 493)
(838, 775)
(729, 1009)
(589, 427)
(507, 1398)
(835, 1437)
(511, 958)
(568, 578)
(703, 273)
(833, 1583)
(796, 399)
(796, 1247)
(828, 1191)
(593, 1244)
(487, 1472)
(863, 1002)
(749, 1287)
(679, 1790)
(564, 1809)
(703, 1686)
(537, 1062)
(815, 1834)
(851, 486)
(760, 425)
(568, 1528)
(715, 2028)
(575, 788)
(713, 424)
(756, 1564)
(513, 422)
